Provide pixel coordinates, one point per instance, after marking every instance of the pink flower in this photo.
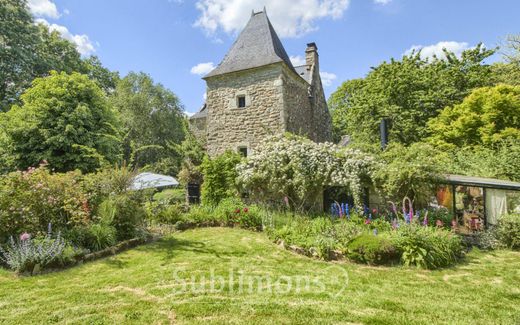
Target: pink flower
(246, 210)
(25, 236)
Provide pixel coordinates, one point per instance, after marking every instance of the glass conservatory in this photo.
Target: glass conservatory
(477, 202)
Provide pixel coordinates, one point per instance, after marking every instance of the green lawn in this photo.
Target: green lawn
(142, 286)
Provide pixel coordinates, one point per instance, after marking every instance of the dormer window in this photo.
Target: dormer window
(241, 101)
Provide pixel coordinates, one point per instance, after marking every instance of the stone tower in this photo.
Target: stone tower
(256, 92)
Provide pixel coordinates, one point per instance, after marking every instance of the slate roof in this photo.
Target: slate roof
(256, 46)
(201, 113)
(304, 72)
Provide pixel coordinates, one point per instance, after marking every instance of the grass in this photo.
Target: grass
(142, 286)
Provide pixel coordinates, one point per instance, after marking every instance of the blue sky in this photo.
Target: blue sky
(173, 40)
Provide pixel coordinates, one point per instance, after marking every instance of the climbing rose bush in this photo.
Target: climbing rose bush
(295, 170)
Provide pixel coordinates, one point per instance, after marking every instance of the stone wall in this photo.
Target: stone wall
(198, 128)
(230, 127)
(297, 105)
(321, 115)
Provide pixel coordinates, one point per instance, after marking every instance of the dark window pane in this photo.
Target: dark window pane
(241, 101)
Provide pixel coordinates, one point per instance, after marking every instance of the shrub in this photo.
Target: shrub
(169, 214)
(488, 240)
(94, 237)
(427, 247)
(107, 182)
(219, 178)
(32, 199)
(128, 218)
(372, 249)
(294, 170)
(24, 254)
(508, 230)
(100, 236)
(318, 237)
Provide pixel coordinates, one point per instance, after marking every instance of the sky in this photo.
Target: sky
(178, 41)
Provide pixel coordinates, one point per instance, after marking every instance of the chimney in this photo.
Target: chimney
(311, 56)
(383, 130)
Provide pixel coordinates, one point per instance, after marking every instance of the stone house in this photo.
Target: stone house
(256, 92)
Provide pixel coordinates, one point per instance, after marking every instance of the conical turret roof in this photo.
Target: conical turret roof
(256, 46)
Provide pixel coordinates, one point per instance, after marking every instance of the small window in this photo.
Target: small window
(243, 151)
(241, 101)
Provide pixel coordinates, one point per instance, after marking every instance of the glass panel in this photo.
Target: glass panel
(445, 197)
(496, 205)
(469, 207)
(513, 201)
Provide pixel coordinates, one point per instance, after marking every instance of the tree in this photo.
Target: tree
(153, 121)
(65, 119)
(487, 116)
(411, 171)
(18, 44)
(106, 79)
(501, 160)
(409, 92)
(29, 50)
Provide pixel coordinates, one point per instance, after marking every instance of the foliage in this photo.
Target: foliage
(372, 249)
(105, 79)
(193, 154)
(128, 217)
(220, 176)
(408, 171)
(24, 254)
(153, 123)
(488, 240)
(427, 247)
(296, 170)
(31, 50)
(100, 236)
(319, 236)
(107, 182)
(66, 120)
(508, 230)
(409, 92)
(33, 199)
(486, 116)
(233, 212)
(164, 213)
(501, 160)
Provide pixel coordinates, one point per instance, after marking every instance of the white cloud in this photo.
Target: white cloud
(82, 42)
(203, 68)
(382, 2)
(43, 8)
(291, 18)
(297, 60)
(327, 78)
(429, 51)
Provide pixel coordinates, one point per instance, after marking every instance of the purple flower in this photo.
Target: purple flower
(25, 236)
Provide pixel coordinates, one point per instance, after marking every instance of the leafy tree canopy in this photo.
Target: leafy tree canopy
(154, 123)
(485, 117)
(28, 51)
(65, 119)
(409, 92)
